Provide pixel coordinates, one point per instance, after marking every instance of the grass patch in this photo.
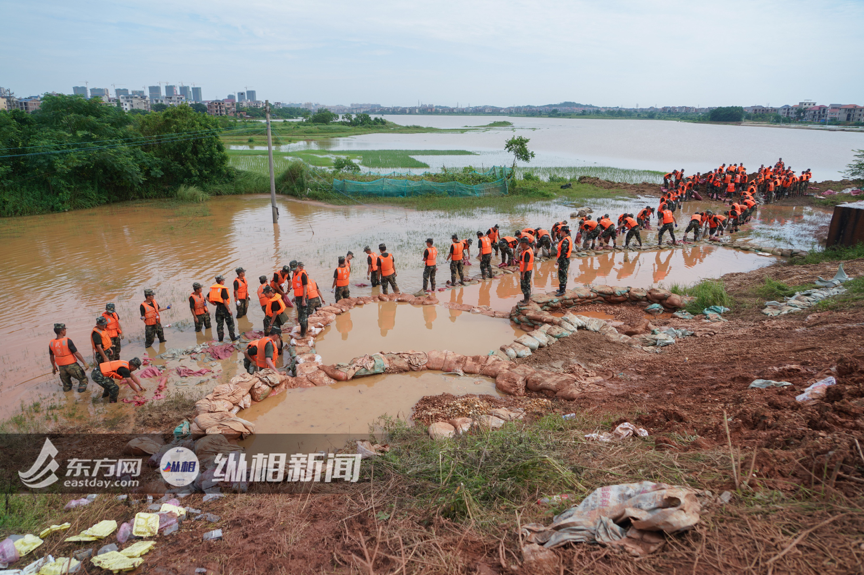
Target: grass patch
(498, 124)
(191, 194)
(831, 201)
(852, 298)
(706, 292)
(573, 173)
(831, 254)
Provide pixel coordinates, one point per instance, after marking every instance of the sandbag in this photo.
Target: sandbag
(207, 420)
(557, 332)
(309, 358)
(435, 359)
(320, 378)
(304, 369)
(208, 404)
(336, 372)
(549, 381)
(494, 366)
(232, 428)
(369, 364)
(454, 362)
(569, 392)
(658, 295)
(674, 301)
(512, 381)
(540, 337)
(246, 402)
(528, 342)
(637, 294)
(260, 391)
(270, 377)
(396, 364)
(521, 350)
(210, 445)
(474, 363)
(147, 445)
(509, 351)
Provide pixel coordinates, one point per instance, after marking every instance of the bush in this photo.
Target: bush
(191, 194)
(830, 254)
(727, 114)
(343, 164)
(707, 293)
(530, 177)
(293, 181)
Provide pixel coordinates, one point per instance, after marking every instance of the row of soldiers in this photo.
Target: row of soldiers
(771, 183)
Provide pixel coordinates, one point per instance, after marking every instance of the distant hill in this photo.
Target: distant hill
(567, 105)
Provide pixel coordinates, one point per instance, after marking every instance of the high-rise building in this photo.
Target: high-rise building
(170, 90)
(241, 97)
(137, 93)
(251, 96)
(196, 94)
(155, 91)
(120, 92)
(99, 93)
(79, 91)
(231, 97)
(184, 91)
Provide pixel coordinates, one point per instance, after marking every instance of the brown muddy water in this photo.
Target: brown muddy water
(74, 263)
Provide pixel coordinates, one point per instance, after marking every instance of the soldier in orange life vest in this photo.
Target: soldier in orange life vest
(263, 353)
(372, 272)
(494, 236)
(281, 282)
(221, 300)
(64, 358)
(105, 375)
(632, 226)
(274, 309)
(341, 279)
(388, 269)
(198, 306)
(507, 245)
(152, 320)
(455, 257)
(695, 225)
(667, 219)
(241, 292)
(114, 330)
(101, 341)
(430, 265)
(526, 265)
(565, 248)
(484, 246)
(263, 299)
(306, 295)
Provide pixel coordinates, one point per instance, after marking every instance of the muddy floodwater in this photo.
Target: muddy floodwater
(66, 267)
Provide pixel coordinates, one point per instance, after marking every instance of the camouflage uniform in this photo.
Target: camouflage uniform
(389, 281)
(563, 270)
(342, 292)
(112, 390)
(486, 265)
(242, 307)
(202, 321)
(506, 252)
(223, 318)
(525, 284)
(429, 276)
(151, 332)
(70, 372)
(115, 347)
(456, 267)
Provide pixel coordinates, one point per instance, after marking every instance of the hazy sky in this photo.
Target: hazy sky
(502, 52)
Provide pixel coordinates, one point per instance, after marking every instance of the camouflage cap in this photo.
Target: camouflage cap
(149, 292)
(196, 285)
(220, 278)
(300, 264)
(240, 270)
(524, 240)
(101, 320)
(293, 264)
(262, 279)
(286, 268)
(135, 361)
(275, 331)
(109, 307)
(267, 289)
(59, 326)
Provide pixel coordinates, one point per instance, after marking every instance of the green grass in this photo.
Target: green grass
(499, 124)
(191, 194)
(706, 292)
(256, 160)
(830, 201)
(831, 254)
(853, 297)
(573, 173)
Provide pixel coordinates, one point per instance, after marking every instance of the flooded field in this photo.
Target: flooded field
(634, 144)
(75, 263)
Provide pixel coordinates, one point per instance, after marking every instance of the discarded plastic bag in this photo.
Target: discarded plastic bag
(27, 544)
(647, 506)
(817, 390)
(53, 529)
(116, 561)
(718, 309)
(766, 383)
(124, 532)
(838, 279)
(8, 552)
(627, 429)
(655, 308)
(77, 503)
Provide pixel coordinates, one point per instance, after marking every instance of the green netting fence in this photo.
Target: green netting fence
(403, 187)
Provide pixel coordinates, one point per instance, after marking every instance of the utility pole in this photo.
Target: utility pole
(270, 157)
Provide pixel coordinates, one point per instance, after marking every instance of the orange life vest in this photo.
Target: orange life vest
(589, 225)
(113, 327)
(106, 340)
(109, 368)
(485, 245)
(262, 299)
(343, 275)
(667, 217)
(151, 313)
(529, 236)
(268, 310)
(200, 303)
(457, 252)
(605, 223)
(630, 223)
(60, 349)
(541, 233)
(311, 287)
(387, 268)
(511, 241)
(283, 276)
(216, 294)
(260, 357)
(374, 258)
(529, 265)
(432, 256)
(493, 234)
(243, 291)
(569, 241)
(696, 217)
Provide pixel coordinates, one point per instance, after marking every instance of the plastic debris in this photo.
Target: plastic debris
(817, 390)
(99, 531)
(8, 552)
(212, 496)
(655, 308)
(210, 517)
(124, 532)
(60, 566)
(138, 549)
(27, 544)
(213, 535)
(145, 525)
(646, 507)
(554, 500)
(683, 314)
(182, 430)
(838, 279)
(34, 567)
(53, 529)
(568, 416)
(718, 309)
(77, 503)
(115, 562)
(166, 520)
(107, 549)
(173, 506)
(766, 383)
(83, 554)
(623, 431)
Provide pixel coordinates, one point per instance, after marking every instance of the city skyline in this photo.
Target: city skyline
(509, 53)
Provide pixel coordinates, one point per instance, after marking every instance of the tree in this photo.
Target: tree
(343, 164)
(323, 116)
(192, 156)
(855, 170)
(727, 114)
(198, 107)
(159, 107)
(518, 146)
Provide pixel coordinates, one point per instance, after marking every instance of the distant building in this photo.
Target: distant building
(241, 97)
(120, 92)
(251, 96)
(196, 94)
(231, 97)
(6, 103)
(155, 91)
(137, 93)
(225, 107)
(99, 93)
(171, 90)
(168, 100)
(134, 103)
(28, 105)
(79, 91)
(184, 91)
(760, 110)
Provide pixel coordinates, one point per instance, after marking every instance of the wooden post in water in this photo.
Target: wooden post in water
(270, 158)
